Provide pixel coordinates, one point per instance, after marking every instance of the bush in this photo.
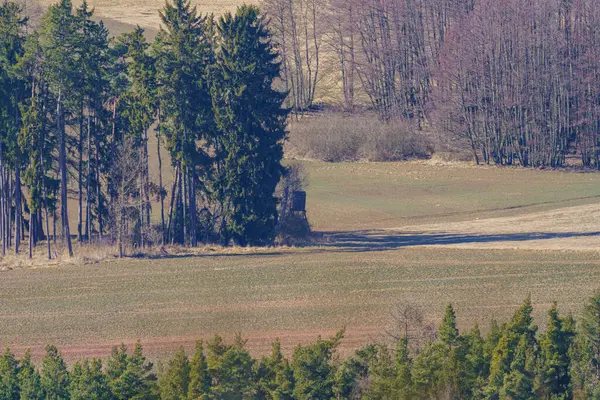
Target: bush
(336, 137)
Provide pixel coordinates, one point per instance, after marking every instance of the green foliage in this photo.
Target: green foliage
(9, 373)
(29, 379)
(199, 379)
(231, 369)
(274, 375)
(314, 371)
(556, 364)
(251, 124)
(448, 331)
(88, 381)
(519, 328)
(554, 356)
(131, 377)
(55, 378)
(175, 380)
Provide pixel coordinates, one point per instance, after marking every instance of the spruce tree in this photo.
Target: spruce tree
(520, 325)
(448, 331)
(199, 384)
(231, 370)
(138, 106)
(12, 93)
(519, 382)
(9, 376)
(29, 379)
(251, 122)
(554, 356)
(54, 376)
(174, 381)
(184, 55)
(274, 375)
(59, 40)
(88, 381)
(132, 378)
(314, 371)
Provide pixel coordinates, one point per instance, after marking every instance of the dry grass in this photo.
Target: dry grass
(295, 294)
(353, 279)
(145, 12)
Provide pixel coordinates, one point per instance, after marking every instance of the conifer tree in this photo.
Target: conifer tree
(520, 326)
(94, 69)
(199, 384)
(29, 379)
(174, 381)
(54, 376)
(59, 41)
(448, 331)
(314, 372)
(88, 381)
(9, 376)
(251, 124)
(231, 369)
(554, 356)
(184, 55)
(12, 92)
(519, 382)
(131, 378)
(274, 375)
(138, 111)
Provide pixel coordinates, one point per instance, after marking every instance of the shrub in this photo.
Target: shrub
(335, 137)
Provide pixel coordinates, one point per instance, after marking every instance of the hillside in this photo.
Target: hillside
(145, 12)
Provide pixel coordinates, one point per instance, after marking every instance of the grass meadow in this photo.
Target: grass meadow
(371, 258)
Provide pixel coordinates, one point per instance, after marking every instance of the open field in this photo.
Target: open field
(482, 238)
(145, 12)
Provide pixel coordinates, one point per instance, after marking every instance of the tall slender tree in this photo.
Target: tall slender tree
(251, 122)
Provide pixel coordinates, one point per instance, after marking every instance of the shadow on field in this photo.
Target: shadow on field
(380, 240)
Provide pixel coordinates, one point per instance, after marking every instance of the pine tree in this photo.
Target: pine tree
(199, 385)
(448, 331)
(184, 55)
(314, 372)
(138, 110)
(88, 381)
(519, 382)
(554, 355)
(585, 352)
(231, 369)
(478, 363)
(9, 373)
(95, 68)
(251, 128)
(132, 378)
(12, 93)
(520, 325)
(35, 142)
(29, 379)
(54, 377)
(174, 381)
(59, 41)
(403, 365)
(274, 375)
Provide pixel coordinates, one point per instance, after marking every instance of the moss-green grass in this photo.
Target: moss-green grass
(300, 293)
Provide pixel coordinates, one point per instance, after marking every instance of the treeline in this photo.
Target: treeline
(513, 361)
(77, 110)
(516, 82)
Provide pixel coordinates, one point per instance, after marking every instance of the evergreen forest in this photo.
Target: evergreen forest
(514, 360)
(77, 110)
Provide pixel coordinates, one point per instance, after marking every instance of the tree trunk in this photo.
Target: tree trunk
(160, 179)
(18, 210)
(63, 175)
